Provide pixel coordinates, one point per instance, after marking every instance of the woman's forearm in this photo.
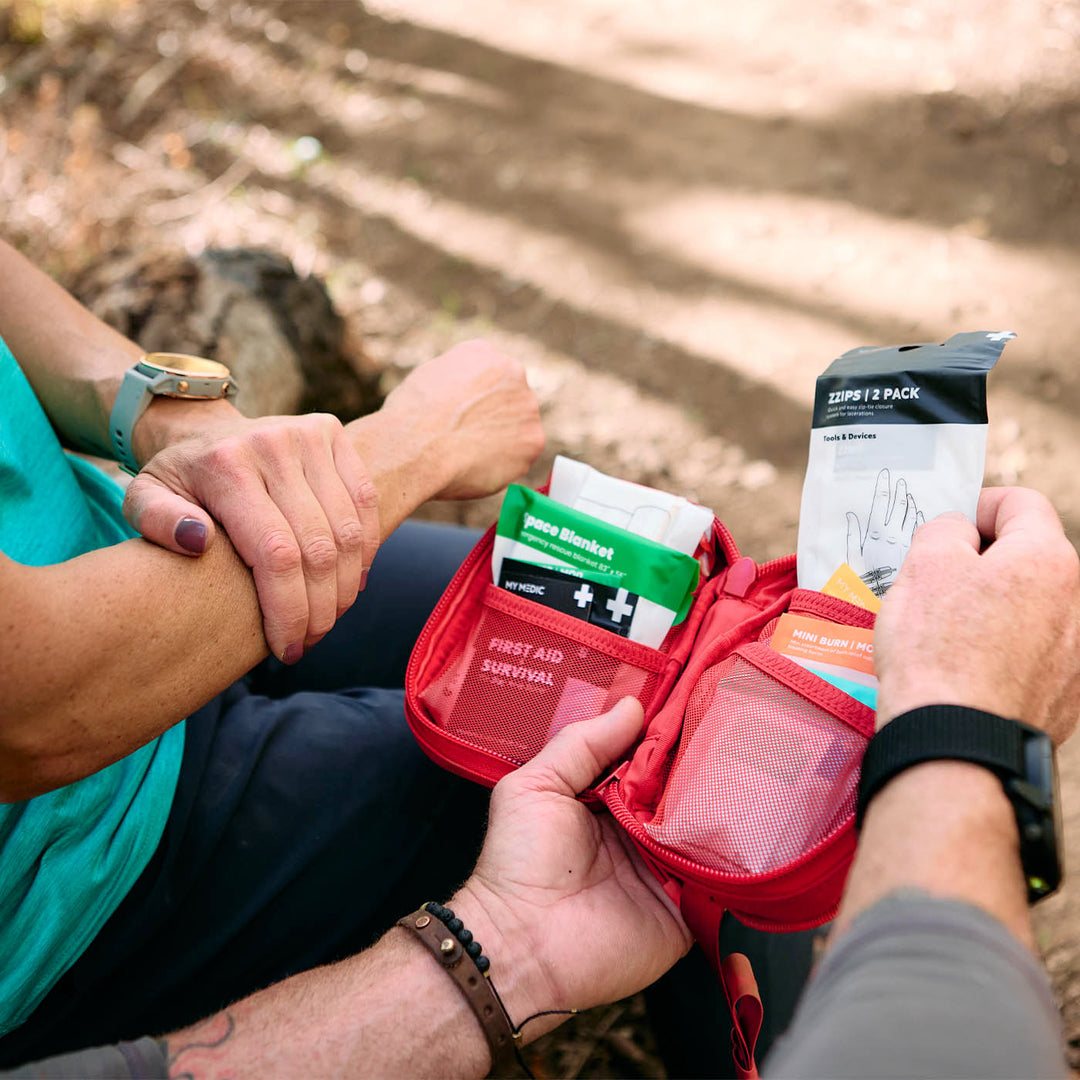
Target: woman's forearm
(73, 360)
(106, 651)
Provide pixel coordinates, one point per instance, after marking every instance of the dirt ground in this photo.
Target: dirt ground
(676, 212)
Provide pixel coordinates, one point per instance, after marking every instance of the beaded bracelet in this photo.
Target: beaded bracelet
(450, 943)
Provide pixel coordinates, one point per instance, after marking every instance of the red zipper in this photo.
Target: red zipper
(701, 875)
(777, 566)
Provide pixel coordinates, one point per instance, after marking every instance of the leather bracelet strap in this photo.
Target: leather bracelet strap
(476, 988)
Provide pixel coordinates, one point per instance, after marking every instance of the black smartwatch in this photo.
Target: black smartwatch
(1021, 756)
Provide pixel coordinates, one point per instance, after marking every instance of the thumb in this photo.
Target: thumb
(945, 531)
(578, 754)
(165, 518)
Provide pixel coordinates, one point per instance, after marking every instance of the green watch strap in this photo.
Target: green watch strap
(207, 380)
(135, 394)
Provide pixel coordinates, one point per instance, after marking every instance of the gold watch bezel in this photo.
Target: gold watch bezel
(186, 365)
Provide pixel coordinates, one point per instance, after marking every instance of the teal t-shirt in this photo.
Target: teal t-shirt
(67, 858)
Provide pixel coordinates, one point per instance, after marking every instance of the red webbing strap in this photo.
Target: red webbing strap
(702, 915)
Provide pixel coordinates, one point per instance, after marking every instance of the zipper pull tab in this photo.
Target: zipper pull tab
(740, 577)
(616, 774)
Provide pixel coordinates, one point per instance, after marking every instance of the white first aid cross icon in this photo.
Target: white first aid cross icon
(583, 596)
(619, 607)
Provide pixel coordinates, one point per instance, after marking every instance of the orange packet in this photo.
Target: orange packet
(845, 584)
(816, 641)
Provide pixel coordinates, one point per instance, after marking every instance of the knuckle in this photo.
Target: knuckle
(326, 422)
(228, 458)
(136, 492)
(1061, 562)
(281, 554)
(317, 427)
(365, 495)
(319, 553)
(536, 441)
(350, 536)
(272, 443)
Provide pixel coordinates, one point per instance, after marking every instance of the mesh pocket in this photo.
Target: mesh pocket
(761, 775)
(527, 671)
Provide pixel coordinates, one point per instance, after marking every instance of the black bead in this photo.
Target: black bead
(446, 915)
(464, 936)
(455, 926)
(482, 964)
(474, 949)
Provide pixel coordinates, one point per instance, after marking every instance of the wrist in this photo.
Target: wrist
(450, 1021)
(945, 796)
(897, 696)
(416, 462)
(168, 420)
(517, 970)
(946, 827)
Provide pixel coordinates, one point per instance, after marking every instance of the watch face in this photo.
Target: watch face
(181, 364)
(1042, 849)
(1059, 827)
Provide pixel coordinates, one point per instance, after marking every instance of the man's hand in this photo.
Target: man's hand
(578, 918)
(995, 631)
(294, 498)
(476, 402)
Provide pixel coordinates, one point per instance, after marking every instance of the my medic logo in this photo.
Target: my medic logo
(608, 606)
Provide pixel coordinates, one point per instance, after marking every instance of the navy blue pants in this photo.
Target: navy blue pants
(306, 820)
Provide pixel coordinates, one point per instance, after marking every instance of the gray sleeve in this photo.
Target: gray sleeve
(140, 1060)
(920, 987)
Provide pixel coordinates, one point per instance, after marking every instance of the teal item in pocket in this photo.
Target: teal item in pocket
(69, 857)
(859, 691)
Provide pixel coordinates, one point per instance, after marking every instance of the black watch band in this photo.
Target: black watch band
(935, 733)
(1022, 757)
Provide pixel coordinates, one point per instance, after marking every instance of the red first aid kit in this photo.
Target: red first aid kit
(740, 794)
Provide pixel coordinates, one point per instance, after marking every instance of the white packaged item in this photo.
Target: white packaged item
(898, 437)
(657, 515)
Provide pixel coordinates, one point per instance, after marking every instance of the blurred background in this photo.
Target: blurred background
(675, 212)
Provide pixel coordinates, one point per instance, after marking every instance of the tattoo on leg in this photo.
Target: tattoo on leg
(197, 1043)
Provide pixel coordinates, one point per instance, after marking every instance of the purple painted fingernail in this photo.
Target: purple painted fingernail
(191, 535)
(292, 653)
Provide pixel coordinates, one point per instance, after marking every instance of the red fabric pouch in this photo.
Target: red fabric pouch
(740, 794)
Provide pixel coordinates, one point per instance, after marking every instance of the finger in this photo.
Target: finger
(899, 501)
(1005, 510)
(854, 539)
(264, 539)
(332, 495)
(911, 519)
(267, 544)
(364, 495)
(577, 755)
(166, 518)
(312, 555)
(879, 507)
